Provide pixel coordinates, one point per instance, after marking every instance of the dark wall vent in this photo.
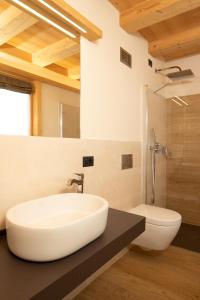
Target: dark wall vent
(125, 57)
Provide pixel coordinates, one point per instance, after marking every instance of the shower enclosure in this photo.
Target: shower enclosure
(156, 149)
(172, 152)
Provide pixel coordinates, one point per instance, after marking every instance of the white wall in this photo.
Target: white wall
(110, 91)
(51, 98)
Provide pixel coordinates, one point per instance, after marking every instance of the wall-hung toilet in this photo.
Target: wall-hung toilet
(162, 226)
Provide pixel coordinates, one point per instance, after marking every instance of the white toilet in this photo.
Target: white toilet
(162, 226)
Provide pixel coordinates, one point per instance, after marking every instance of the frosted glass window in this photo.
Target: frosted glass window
(14, 113)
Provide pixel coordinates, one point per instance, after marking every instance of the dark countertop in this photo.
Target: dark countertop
(24, 280)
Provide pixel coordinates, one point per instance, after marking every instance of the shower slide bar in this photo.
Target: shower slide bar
(155, 149)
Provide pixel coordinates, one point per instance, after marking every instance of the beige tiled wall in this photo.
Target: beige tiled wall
(183, 165)
(34, 167)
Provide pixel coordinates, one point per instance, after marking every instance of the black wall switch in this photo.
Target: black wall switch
(150, 63)
(88, 161)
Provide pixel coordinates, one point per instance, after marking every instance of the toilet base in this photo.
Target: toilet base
(157, 237)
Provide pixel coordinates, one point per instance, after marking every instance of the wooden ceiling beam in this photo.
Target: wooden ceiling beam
(74, 73)
(12, 22)
(57, 51)
(58, 69)
(11, 64)
(18, 53)
(121, 5)
(150, 12)
(176, 44)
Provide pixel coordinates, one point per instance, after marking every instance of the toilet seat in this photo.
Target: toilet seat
(157, 215)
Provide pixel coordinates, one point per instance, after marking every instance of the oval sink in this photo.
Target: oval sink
(53, 227)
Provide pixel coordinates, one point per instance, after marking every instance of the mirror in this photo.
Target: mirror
(39, 71)
(50, 112)
(60, 112)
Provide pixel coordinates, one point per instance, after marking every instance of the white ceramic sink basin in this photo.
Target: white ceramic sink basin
(53, 227)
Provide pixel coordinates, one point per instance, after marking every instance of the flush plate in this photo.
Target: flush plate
(126, 161)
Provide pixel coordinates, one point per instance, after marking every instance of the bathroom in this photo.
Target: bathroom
(115, 107)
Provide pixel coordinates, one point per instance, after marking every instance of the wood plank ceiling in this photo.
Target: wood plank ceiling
(34, 49)
(172, 27)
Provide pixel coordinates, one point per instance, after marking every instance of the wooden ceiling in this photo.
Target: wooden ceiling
(172, 27)
(36, 50)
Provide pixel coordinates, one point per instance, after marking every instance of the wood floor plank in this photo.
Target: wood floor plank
(170, 275)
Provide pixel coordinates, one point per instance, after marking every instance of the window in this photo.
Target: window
(15, 113)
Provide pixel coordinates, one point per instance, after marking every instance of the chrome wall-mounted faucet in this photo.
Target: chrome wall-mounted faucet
(79, 182)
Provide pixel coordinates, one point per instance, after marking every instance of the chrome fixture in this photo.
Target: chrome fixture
(162, 87)
(180, 74)
(158, 148)
(155, 148)
(79, 182)
(174, 76)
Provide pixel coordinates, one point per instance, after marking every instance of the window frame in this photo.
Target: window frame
(36, 109)
(35, 105)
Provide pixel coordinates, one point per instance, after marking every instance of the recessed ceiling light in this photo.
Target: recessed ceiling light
(176, 102)
(62, 15)
(180, 99)
(50, 22)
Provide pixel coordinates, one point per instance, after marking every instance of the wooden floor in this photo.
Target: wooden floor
(170, 275)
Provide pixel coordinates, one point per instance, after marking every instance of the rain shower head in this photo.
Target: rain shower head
(183, 74)
(178, 75)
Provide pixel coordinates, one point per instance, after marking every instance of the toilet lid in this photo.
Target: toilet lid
(157, 215)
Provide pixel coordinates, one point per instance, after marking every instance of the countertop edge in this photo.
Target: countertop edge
(59, 290)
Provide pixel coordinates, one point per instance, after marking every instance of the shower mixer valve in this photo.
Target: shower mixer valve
(157, 147)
